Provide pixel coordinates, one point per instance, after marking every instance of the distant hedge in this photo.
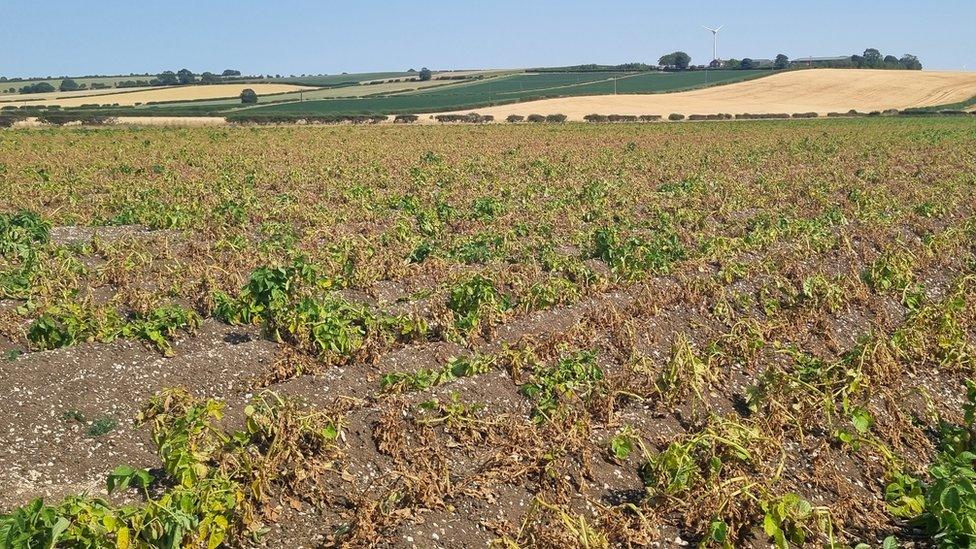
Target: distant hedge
(556, 118)
(293, 119)
(62, 118)
(603, 118)
(761, 116)
(710, 117)
(7, 120)
(536, 118)
(805, 115)
(405, 118)
(513, 118)
(675, 117)
(470, 118)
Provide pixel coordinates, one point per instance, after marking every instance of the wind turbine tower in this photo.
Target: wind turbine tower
(714, 40)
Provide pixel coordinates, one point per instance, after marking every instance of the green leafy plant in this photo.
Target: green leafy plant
(456, 367)
(634, 256)
(476, 301)
(162, 324)
(101, 426)
(891, 272)
(21, 233)
(575, 375)
(623, 443)
(786, 519)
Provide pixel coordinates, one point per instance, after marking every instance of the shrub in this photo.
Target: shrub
(405, 118)
(471, 118)
(8, 120)
(675, 117)
(536, 118)
(595, 118)
(60, 119)
(761, 116)
(805, 115)
(622, 118)
(69, 85)
(556, 118)
(248, 96)
(513, 118)
(40, 87)
(719, 116)
(650, 117)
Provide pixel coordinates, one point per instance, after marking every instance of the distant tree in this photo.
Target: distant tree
(781, 62)
(425, 74)
(857, 61)
(68, 85)
(910, 62)
(747, 64)
(872, 58)
(733, 64)
(891, 61)
(248, 96)
(715, 64)
(412, 70)
(40, 87)
(679, 60)
(185, 76)
(231, 72)
(166, 78)
(209, 78)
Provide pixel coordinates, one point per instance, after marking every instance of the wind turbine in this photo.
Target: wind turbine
(714, 39)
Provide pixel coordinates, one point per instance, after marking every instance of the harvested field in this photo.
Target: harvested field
(821, 91)
(173, 93)
(520, 335)
(15, 98)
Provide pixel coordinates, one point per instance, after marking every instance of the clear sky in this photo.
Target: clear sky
(62, 37)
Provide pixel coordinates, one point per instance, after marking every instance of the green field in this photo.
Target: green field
(510, 89)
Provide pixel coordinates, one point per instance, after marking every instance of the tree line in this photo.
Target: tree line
(166, 78)
(870, 59)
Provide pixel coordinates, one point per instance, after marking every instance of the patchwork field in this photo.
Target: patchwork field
(821, 91)
(534, 336)
(511, 89)
(146, 95)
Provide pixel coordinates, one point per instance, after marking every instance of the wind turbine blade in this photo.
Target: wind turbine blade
(707, 28)
(719, 28)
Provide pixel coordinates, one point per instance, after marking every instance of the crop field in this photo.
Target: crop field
(370, 93)
(820, 90)
(383, 88)
(510, 89)
(733, 335)
(162, 94)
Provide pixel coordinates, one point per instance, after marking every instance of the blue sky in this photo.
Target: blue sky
(62, 37)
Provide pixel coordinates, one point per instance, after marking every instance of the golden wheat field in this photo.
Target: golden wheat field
(175, 93)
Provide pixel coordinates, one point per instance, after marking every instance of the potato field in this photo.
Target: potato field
(743, 334)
